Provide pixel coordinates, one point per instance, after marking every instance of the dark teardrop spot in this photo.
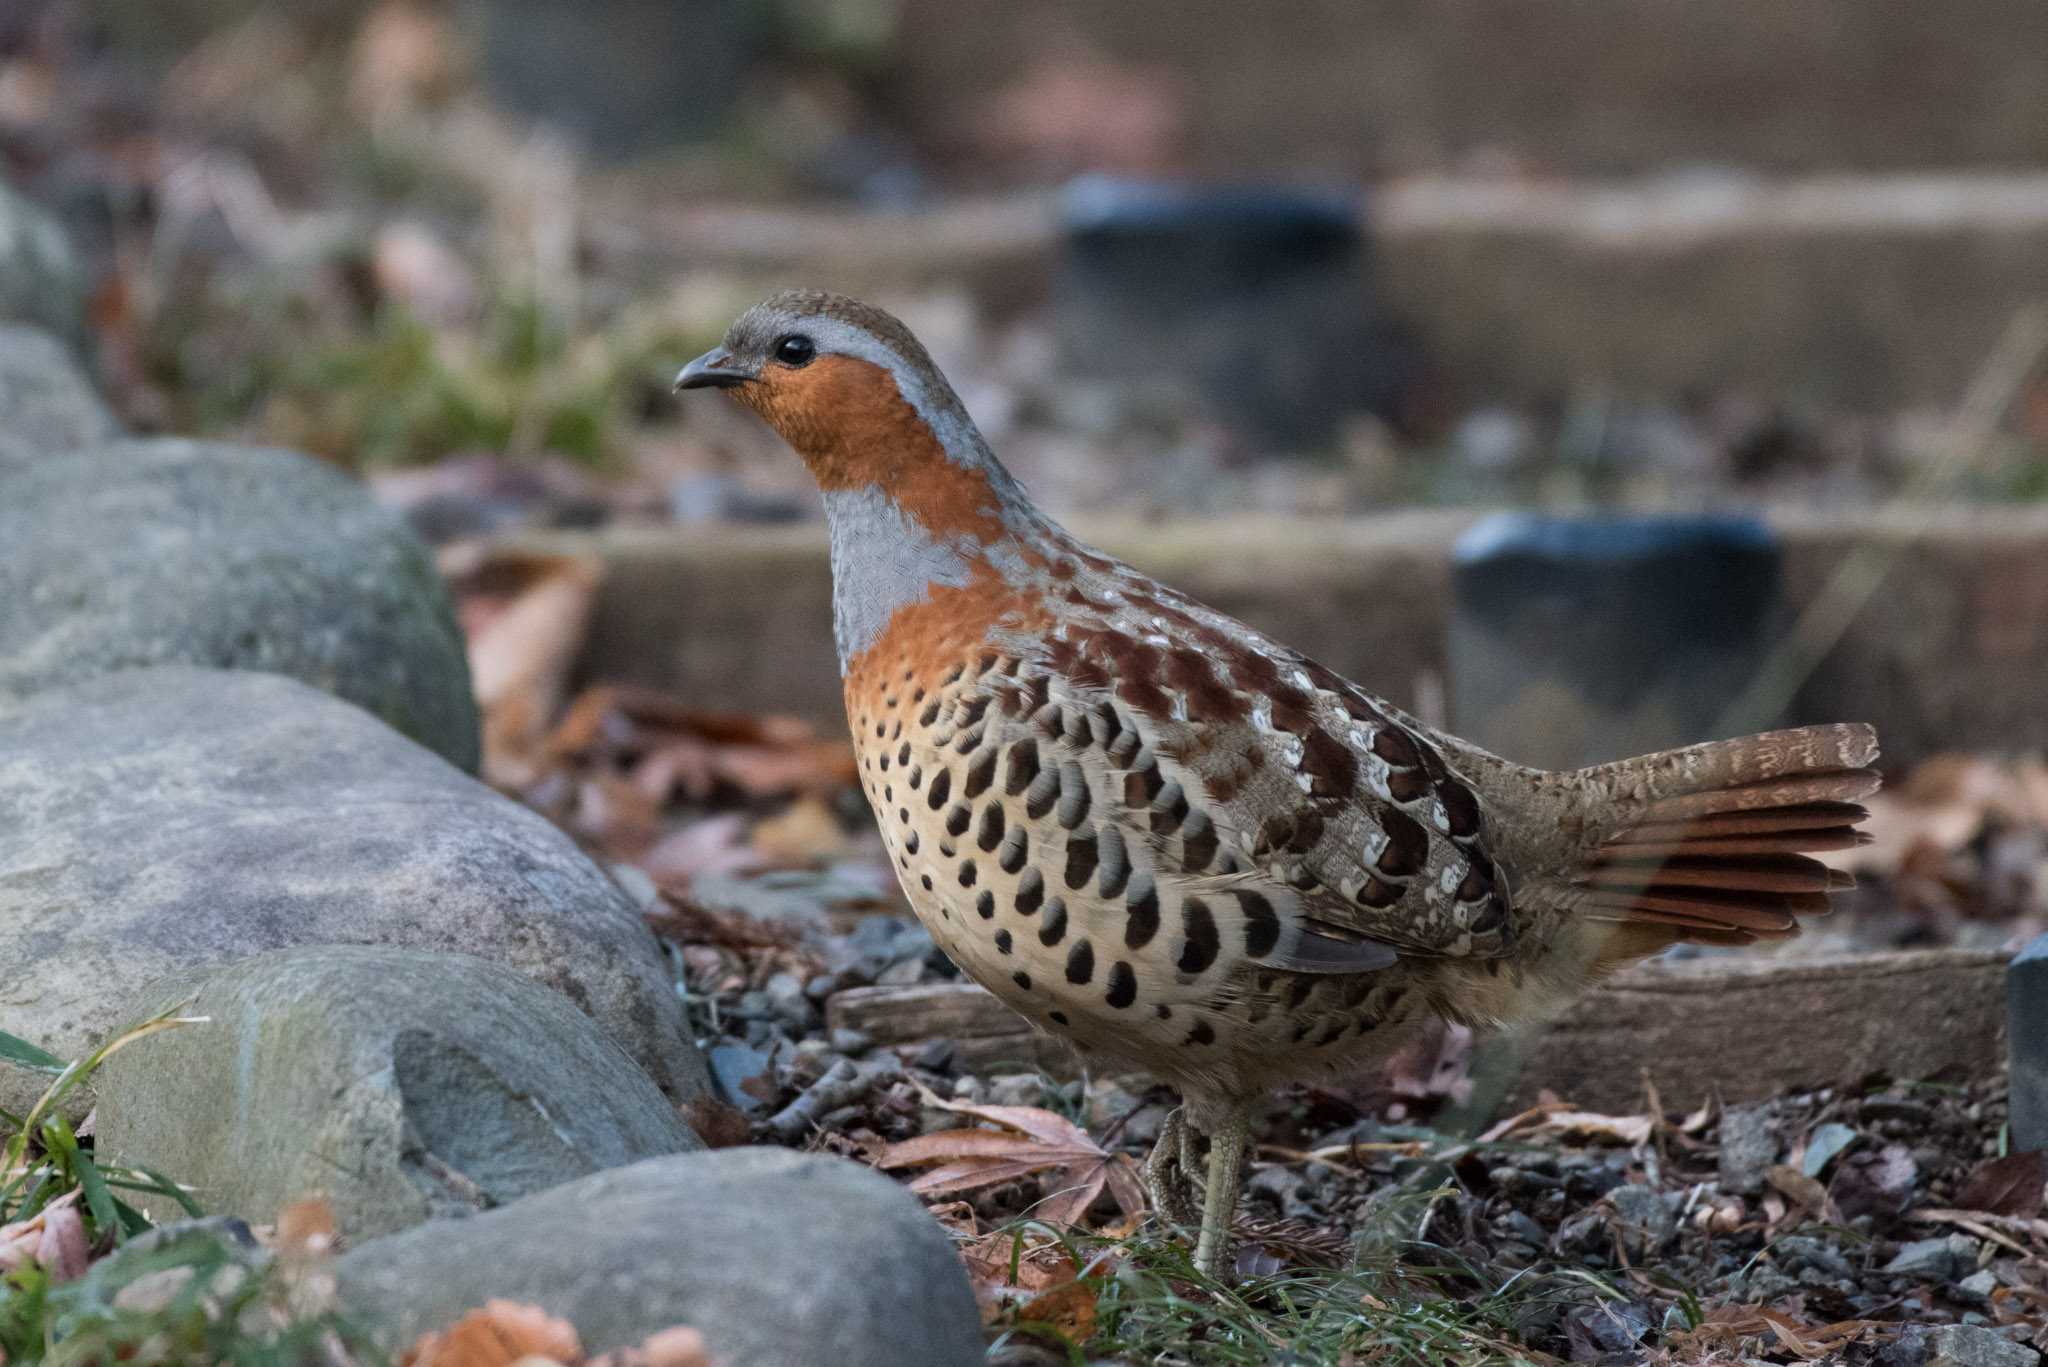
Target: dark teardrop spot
(1080, 963)
(1002, 942)
(990, 833)
(942, 787)
(1023, 766)
(1123, 985)
(980, 774)
(1055, 927)
(1030, 893)
(985, 905)
(1200, 948)
(1261, 925)
(1141, 921)
(1082, 854)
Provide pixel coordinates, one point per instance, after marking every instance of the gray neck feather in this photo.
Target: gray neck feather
(882, 560)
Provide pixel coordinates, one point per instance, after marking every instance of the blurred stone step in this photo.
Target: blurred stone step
(1875, 294)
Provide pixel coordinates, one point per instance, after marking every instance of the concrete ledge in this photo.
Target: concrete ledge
(1951, 652)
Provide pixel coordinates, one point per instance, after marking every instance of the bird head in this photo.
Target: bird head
(857, 397)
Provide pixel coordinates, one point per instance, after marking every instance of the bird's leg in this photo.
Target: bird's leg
(1226, 1163)
(1170, 1171)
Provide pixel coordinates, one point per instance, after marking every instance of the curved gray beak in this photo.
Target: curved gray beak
(715, 369)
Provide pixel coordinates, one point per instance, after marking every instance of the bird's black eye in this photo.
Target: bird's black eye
(795, 349)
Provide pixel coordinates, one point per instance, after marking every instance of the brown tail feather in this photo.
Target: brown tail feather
(1711, 842)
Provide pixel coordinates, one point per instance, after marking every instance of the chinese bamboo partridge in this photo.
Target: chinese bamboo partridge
(1186, 847)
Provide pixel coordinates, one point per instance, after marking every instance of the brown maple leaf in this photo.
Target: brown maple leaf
(1027, 1140)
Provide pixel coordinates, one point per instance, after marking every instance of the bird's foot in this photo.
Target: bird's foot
(1170, 1173)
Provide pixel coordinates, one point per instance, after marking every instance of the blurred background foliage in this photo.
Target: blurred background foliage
(1668, 257)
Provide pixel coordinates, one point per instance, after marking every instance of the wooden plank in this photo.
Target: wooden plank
(1747, 1028)
(1740, 1027)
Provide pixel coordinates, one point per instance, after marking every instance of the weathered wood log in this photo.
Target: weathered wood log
(1747, 1028)
(1739, 1028)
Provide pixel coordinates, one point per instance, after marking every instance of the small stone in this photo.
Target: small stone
(1967, 1345)
(1804, 1250)
(1607, 1327)
(1522, 1181)
(1016, 1089)
(1646, 1222)
(1287, 1188)
(1749, 1145)
(1517, 1225)
(735, 1066)
(1978, 1286)
(1109, 1102)
(905, 973)
(966, 1089)
(1941, 1259)
(935, 1056)
(788, 1003)
(1823, 1144)
(846, 1040)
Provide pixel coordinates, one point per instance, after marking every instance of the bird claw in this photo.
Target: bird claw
(1170, 1173)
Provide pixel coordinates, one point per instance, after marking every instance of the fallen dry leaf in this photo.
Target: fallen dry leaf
(807, 833)
(1029, 1141)
(2012, 1185)
(525, 616)
(305, 1229)
(678, 1347)
(1008, 1266)
(501, 1333)
(52, 1239)
(1555, 1118)
(1067, 1310)
(1806, 1191)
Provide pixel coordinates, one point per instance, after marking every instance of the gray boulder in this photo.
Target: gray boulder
(398, 1083)
(179, 552)
(40, 281)
(157, 821)
(46, 405)
(780, 1259)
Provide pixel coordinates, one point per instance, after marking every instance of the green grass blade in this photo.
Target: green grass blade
(98, 1199)
(14, 1049)
(154, 1183)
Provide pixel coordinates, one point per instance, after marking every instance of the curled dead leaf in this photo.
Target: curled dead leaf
(52, 1239)
(501, 1333)
(2012, 1185)
(306, 1228)
(678, 1347)
(1068, 1310)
